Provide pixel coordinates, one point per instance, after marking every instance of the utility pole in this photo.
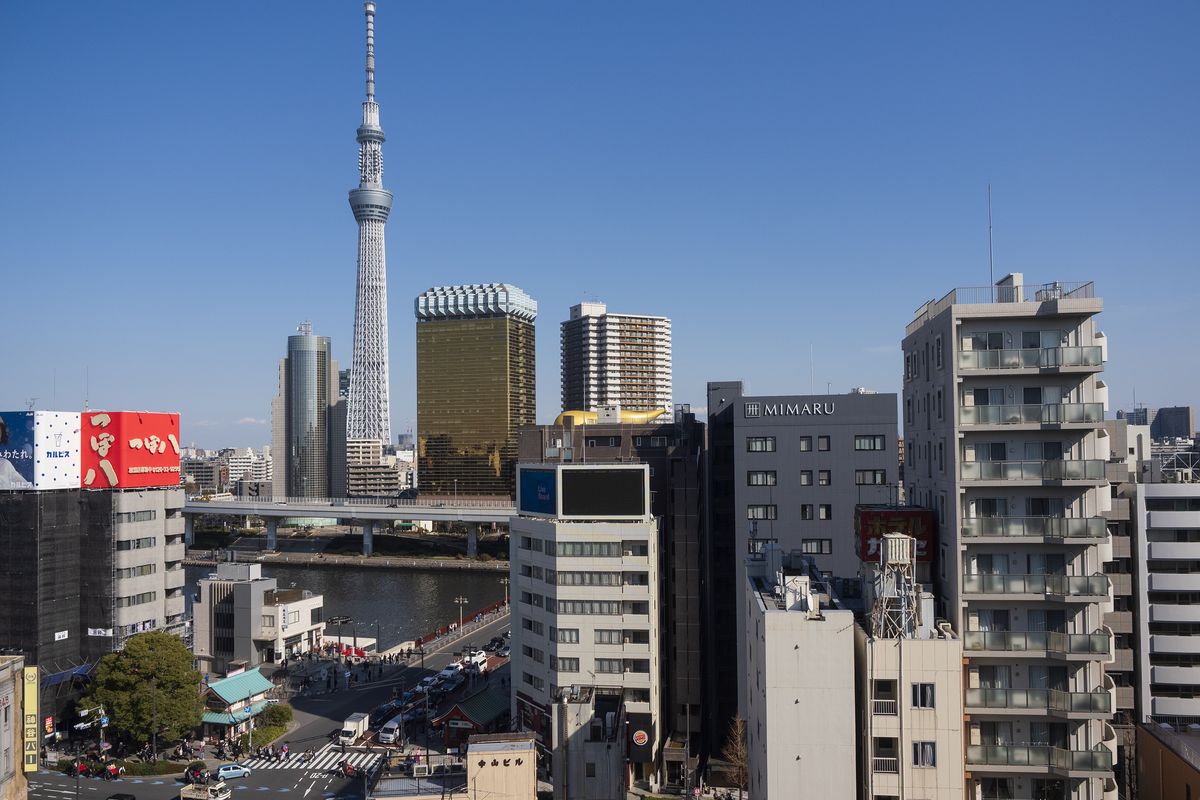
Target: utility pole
(504, 582)
(154, 718)
(460, 601)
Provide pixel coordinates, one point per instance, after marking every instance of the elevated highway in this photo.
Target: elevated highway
(364, 512)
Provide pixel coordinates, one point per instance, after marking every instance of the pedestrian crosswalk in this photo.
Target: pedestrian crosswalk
(327, 758)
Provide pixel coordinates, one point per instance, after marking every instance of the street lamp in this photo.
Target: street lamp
(504, 582)
(456, 491)
(461, 601)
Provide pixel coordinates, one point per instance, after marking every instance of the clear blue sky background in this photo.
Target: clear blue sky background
(173, 182)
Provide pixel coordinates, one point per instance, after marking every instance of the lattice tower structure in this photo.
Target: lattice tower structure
(368, 414)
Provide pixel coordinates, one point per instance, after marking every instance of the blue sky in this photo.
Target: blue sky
(173, 182)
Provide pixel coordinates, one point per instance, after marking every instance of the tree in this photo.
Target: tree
(735, 754)
(150, 684)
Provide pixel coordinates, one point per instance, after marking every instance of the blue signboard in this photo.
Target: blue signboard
(16, 450)
(537, 494)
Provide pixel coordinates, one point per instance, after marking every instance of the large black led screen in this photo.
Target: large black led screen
(603, 493)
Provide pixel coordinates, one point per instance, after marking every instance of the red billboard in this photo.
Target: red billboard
(129, 450)
(872, 522)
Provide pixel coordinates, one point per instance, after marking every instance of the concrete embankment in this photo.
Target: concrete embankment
(209, 558)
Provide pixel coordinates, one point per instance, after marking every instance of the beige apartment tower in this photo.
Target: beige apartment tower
(615, 360)
(1003, 413)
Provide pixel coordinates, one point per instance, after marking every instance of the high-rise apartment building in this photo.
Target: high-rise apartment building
(476, 386)
(615, 360)
(308, 445)
(1003, 410)
(585, 642)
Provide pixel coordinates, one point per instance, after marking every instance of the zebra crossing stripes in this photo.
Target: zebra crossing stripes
(327, 758)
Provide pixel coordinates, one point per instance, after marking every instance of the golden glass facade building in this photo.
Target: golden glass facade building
(476, 386)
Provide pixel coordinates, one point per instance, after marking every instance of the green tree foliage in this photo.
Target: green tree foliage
(150, 682)
(276, 716)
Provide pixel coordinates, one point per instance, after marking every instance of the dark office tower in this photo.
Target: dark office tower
(1174, 422)
(302, 427)
(475, 387)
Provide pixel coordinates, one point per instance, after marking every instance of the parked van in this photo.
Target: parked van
(390, 732)
(476, 662)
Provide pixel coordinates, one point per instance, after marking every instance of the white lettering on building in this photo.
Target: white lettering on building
(796, 409)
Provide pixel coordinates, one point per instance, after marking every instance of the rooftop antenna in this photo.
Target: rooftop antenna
(991, 272)
(812, 381)
(31, 403)
(305, 328)
(87, 388)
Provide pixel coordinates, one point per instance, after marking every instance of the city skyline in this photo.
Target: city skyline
(833, 161)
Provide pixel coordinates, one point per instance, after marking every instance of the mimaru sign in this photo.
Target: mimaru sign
(789, 409)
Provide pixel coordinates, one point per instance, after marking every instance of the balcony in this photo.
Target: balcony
(889, 764)
(1043, 414)
(1083, 588)
(1090, 358)
(1088, 470)
(884, 708)
(1163, 643)
(1053, 528)
(174, 552)
(1084, 646)
(1174, 582)
(1053, 759)
(1073, 705)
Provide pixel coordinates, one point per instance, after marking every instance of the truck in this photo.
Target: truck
(212, 791)
(354, 727)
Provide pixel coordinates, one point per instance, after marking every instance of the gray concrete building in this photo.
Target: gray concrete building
(1003, 414)
(242, 619)
(789, 469)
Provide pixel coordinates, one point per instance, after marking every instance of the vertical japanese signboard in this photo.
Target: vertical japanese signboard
(30, 722)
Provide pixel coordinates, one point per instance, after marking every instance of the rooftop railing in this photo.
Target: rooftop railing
(977, 295)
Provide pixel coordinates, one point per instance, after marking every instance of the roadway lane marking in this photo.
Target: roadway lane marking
(310, 787)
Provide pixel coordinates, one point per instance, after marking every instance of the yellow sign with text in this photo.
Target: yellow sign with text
(29, 719)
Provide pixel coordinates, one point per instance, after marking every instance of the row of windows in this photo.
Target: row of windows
(638, 441)
(134, 516)
(137, 544)
(862, 477)
(615, 666)
(134, 572)
(137, 599)
(771, 512)
(767, 444)
(602, 636)
(1173, 503)
(600, 578)
(583, 549)
(603, 607)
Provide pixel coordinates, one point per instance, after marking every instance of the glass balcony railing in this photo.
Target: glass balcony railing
(1098, 644)
(1032, 358)
(1041, 527)
(1031, 414)
(1098, 760)
(1040, 700)
(1051, 470)
(1065, 585)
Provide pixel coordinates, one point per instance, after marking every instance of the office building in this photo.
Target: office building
(246, 463)
(367, 410)
(1139, 415)
(910, 670)
(672, 447)
(615, 360)
(1174, 422)
(205, 475)
(801, 736)
(1003, 411)
(475, 387)
(306, 449)
(242, 620)
(584, 571)
(13, 784)
(789, 469)
(372, 473)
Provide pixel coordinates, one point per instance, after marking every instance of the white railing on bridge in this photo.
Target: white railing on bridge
(376, 502)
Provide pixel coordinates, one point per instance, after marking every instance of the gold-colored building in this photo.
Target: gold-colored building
(476, 386)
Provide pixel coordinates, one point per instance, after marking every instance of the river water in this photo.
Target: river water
(395, 605)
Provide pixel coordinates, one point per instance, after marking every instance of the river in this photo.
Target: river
(397, 605)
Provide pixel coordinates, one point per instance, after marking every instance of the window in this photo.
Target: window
(937, 352)
(316, 616)
(133, 572)
(806, 477)
(922, 695)
(134, 516)
(761, 512)
(589, 579)
(824, 477)
(589, 607)
(806, 511)
(293, 617)
(816, 547)
(589, 769)
(761, 478)
(566, 664)
(268, 621)
(608, 637)
(136, 599)
(805, 444)
(635, 578)
(533, 653)
(590, 549)
(870, 477)
(825, 511)
(532, 625)
(823, 444)
(137, 544)
(760, 444)
(635, 549)
(869, 442)
(924, 754)
(611, 666)
(533, 680)
(989, 340)
(633, 636)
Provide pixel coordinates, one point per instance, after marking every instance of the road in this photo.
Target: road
(317, 716)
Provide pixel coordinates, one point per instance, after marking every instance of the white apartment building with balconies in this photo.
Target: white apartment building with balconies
(1168, 618)
(585, 636)
(1003, 408)
(615, 360)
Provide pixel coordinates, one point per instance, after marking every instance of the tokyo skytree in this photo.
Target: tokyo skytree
(367, 407)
